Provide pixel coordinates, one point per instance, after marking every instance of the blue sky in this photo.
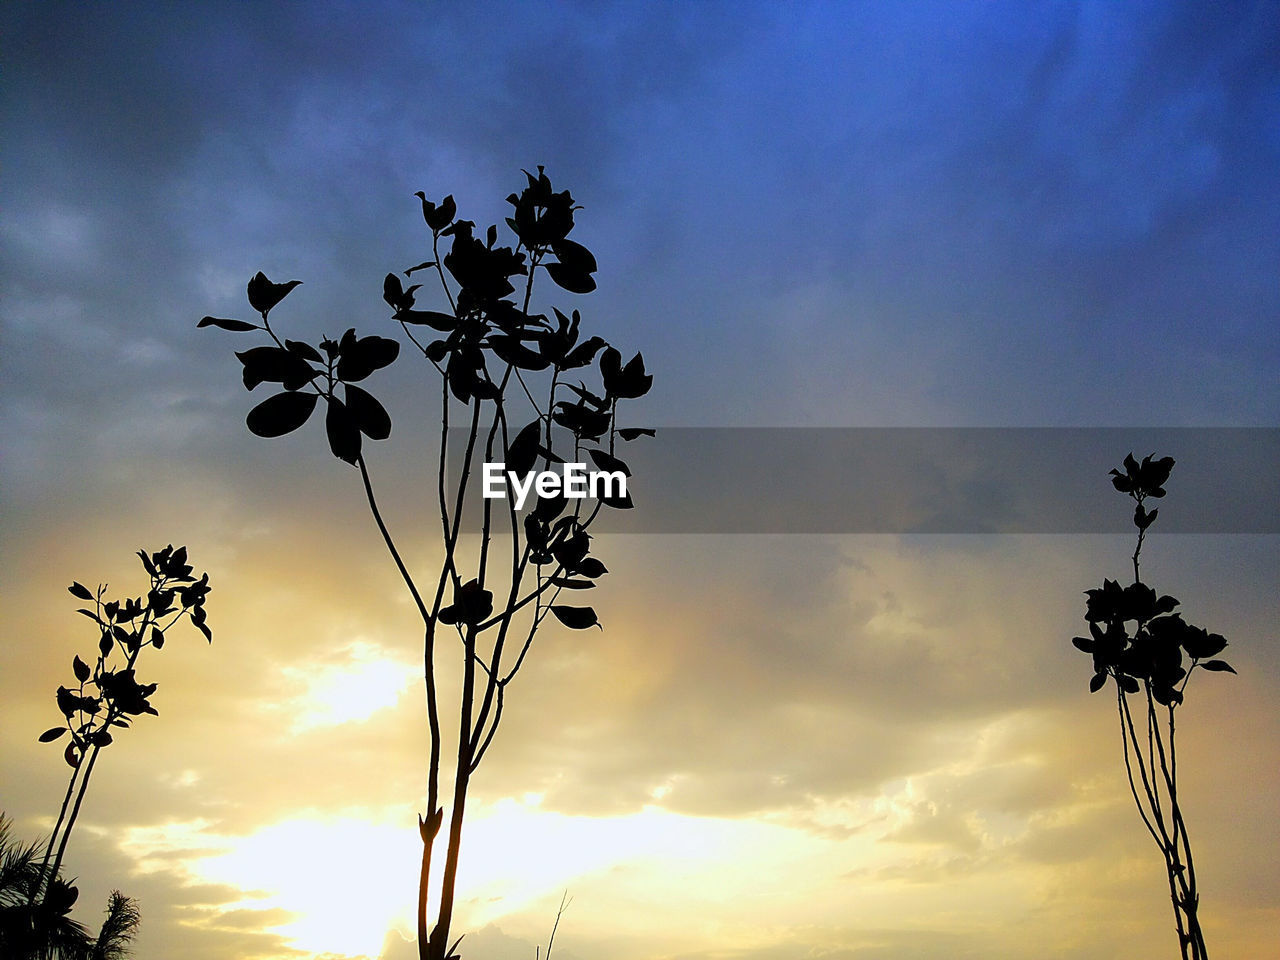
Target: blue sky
(846, 214)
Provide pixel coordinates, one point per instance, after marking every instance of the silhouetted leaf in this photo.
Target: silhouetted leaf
(68, 702)
(304, 350)
(570, 551)
(445, 322)
(263, 294)
(344, 433)
(615, 502)
(580, 419)
(1218, 665)
(510, 350)
(101, 738)
(471, 605)
(574, 256)
(608, 462)
(370, 415)
(576, 618)
(281, 414)
(70, 755)
(81, 669)
(600, 403)
(1128, 684)
(522, 454)
(582, 354)
(275, 365)
(53, 733)
(575, 281)
(548, 508)
(630, 433)
(198, 618)
(235, 326)
(359, 358)
(80, 591)
(591, 567)
(437, 217)
(1083, 643)
(1096, 682)
(633, 381)
(570, 584)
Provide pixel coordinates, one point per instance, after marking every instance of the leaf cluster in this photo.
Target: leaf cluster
(1161, 649)
(108, 694)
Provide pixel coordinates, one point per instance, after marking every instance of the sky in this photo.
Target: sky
(829, 744)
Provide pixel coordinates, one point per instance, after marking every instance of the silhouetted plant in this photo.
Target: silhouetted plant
(107, 695)
(1148, 663)
(490, 350)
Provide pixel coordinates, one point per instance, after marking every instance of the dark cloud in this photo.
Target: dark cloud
(807, 214)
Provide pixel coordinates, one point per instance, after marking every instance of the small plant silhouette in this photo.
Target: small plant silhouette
(44, 930)
(36, 901)
(495, 358)
(1148, 664)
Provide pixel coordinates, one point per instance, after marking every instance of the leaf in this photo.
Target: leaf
(370, 415)
(69, 755)
(53, 733)
(571, 584)
(101, 738)
(574, 256)
(444, 322)
(510, 350)
(591, 567)
(581, 419)
(609, 463)
(1218, 666)
(1095, 684)
(576, 618)
(68, 702)
(281, 414)
(583, 353)
(304, 350)
(81, 669)
(1127, 683)
(630, 433)
(263, 294)
(522, 454)
(344, 434)
(633, 382)
(393, 291)
(359, 358)
(1083, 643)
(575, 281)
(235, 326)
(80, 591)
(275, 365)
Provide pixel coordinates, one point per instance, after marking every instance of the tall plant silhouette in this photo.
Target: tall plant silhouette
(508, 369)
(1152, 663)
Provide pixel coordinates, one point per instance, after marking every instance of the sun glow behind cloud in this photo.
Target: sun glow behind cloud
(345, 881)
(360, 680)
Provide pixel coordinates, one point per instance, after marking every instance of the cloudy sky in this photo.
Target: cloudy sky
(831, 745)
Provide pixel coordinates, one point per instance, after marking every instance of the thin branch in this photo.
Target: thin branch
(386, 537)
